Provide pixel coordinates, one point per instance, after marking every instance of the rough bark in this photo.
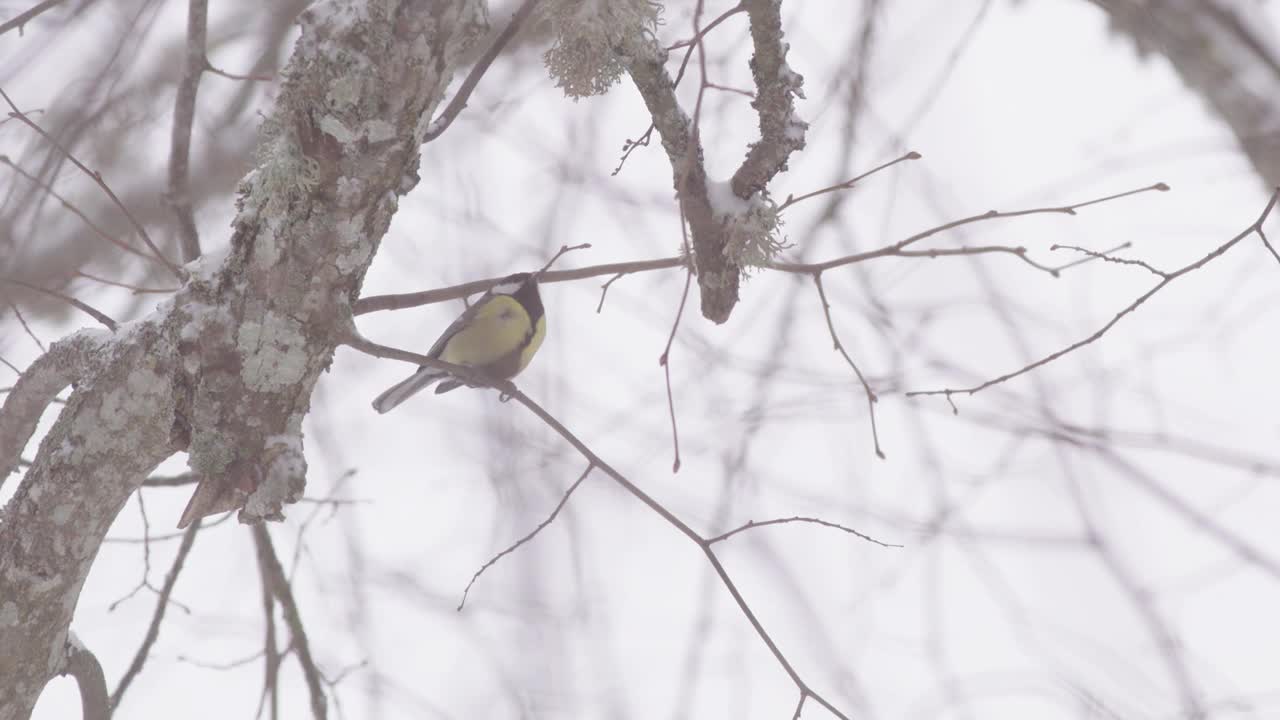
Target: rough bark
(226, 367)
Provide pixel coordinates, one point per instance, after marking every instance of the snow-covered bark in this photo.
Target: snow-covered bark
(225, 369)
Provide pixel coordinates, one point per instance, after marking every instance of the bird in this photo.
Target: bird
(498, 335)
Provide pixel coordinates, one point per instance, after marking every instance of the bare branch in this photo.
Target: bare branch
(157, 617)
(78, 304)
(563, 249)
(17, 312)
(509, 390)
(665, 359)
(847, 184)
(401, 301)
(459, 101)
(274, 573)
(1267, 243)
(97, 177)
(184, 111)
(797, 519)
(804, 695)
(209, 67)
(1090, 258)
(270, 650)
(136, 289)
(839, 347)
(1131, 307)
(702, 33)
(513, 547)
(604, 290)
(20, 20)
(1106, 257)
(4, 160)
(896, 248)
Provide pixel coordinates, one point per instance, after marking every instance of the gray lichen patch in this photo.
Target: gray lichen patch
(274, 351)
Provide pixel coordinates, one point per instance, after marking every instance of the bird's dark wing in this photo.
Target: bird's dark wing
(457, 325)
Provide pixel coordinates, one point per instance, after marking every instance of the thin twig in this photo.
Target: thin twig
(563, 249)
(229, 665)
(550, 518)
(11, 366)
(96, 314)
(27, 328)
(665, 359)
(1267, 242)
(1106, 257)
(459, 101)
(847, 184)
(797, 519)
(804, 694)
(4, 160)
(274, 572)
(136, 290)
(1131, 307)
(1018, 252)
(1083, 260)
(162, 604)
(209, 67)
(20, 20)
(97, 177)
(184, 111)
(401, 301)
(702, 32)
(270, 650)
(839, 347)
(604, 290)
(509, 390)
(896, 248)
(629, 146)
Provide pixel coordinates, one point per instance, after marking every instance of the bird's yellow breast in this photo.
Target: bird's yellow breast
(498, 337)
(535, 342)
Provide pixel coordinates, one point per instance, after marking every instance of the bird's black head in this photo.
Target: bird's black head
(524, 288)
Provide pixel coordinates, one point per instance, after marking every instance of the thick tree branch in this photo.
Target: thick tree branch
(115, 429)
(36, 388)
(777, 87)
(85, 668)
(225, 368)
(718, 274)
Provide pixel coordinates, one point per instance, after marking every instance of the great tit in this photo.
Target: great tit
(498, 334)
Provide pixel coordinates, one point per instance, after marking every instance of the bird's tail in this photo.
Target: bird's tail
(406, 388)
